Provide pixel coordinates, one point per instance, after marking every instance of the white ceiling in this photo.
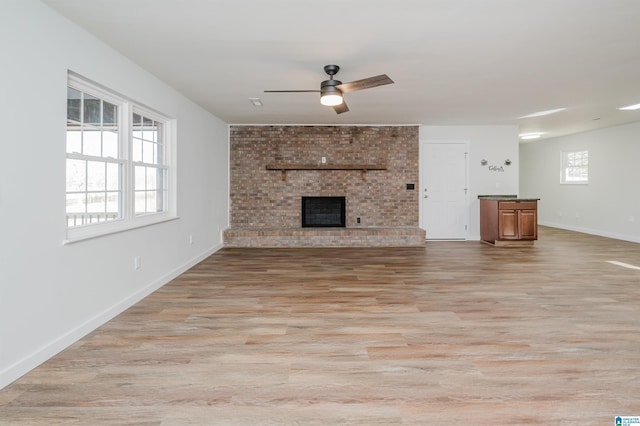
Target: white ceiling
(454, 62)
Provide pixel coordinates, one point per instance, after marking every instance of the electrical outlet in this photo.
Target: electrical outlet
(358, 220)
(137, 263)
(190, 239)
(324, 160)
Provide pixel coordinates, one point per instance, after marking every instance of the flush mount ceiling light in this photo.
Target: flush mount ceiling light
(529, 136)
(630, 107)
(543, 113)
(257, 102)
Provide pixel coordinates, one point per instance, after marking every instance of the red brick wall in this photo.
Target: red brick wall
(260, 198)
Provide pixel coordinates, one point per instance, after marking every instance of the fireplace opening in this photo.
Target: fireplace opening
(319, 212)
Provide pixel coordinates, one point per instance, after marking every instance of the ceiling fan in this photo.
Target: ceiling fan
(331, 90)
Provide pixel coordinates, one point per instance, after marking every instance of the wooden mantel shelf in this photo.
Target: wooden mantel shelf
(362, 167)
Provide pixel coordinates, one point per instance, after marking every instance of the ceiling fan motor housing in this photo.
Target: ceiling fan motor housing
(329, 86)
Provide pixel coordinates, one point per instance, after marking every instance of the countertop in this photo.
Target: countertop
(506, 198)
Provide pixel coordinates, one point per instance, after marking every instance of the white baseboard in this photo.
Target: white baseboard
(28, 363)
(597, 232)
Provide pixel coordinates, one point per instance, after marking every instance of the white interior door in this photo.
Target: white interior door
(443, 190)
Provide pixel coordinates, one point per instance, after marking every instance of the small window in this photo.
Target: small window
(150, 167)
(119, 163)
(575, 167)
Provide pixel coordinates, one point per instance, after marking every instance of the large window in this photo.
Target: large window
(119, 169)
(575, 167)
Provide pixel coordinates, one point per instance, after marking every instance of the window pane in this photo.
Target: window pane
(76, 175)
(149, 130)
(110, 144)
(140, 202)
(96, 174)
(136, 150)
(113, 205)
(152, 199)
(151, 178)
(74, 99)
(75, 209)
(76, 203)
(92, 142)
(113, 177)
(74, 139)
(140, 178)
(91, 109)
(109, 115)
(96, 203)
(148, 152)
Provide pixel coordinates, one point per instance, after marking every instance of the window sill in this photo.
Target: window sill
(89, 232)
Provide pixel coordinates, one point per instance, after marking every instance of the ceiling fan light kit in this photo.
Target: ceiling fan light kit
(331, 91)
(331, 96)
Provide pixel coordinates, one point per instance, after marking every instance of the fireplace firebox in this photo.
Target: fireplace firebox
(323, 212)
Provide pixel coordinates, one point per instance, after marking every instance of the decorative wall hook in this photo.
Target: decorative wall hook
(507, 162)
(483, 162)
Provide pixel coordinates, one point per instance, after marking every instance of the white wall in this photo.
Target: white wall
(609, 205)
(50, 294)
(492, 143)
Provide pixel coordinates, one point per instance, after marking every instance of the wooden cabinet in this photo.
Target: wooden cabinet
(508, 221)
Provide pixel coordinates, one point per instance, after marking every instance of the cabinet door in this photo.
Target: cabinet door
(528, 224)
(508, 224)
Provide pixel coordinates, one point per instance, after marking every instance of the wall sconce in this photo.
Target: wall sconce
(483, 162)
(507, 162)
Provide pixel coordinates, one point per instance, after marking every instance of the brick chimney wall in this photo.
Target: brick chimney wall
(261, 199)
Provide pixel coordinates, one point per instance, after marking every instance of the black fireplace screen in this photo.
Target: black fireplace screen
(323, 212)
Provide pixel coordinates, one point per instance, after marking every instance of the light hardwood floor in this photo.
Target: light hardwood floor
(457, 333)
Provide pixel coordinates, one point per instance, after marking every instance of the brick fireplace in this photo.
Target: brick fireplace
(372, 167)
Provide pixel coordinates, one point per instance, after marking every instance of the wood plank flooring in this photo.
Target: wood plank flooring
(455, 333)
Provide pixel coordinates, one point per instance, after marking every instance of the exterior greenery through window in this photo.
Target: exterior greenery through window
(575, 167)
(118, 162)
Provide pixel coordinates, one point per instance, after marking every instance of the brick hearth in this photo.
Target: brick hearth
(325, 237)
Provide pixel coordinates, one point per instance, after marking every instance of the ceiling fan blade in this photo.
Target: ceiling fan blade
(291, 91)
(365, 83)
(339, 109)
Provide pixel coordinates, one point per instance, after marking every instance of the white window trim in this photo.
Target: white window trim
(563, 167)
(129, 220)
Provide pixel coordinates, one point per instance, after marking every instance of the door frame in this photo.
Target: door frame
(422, 159)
